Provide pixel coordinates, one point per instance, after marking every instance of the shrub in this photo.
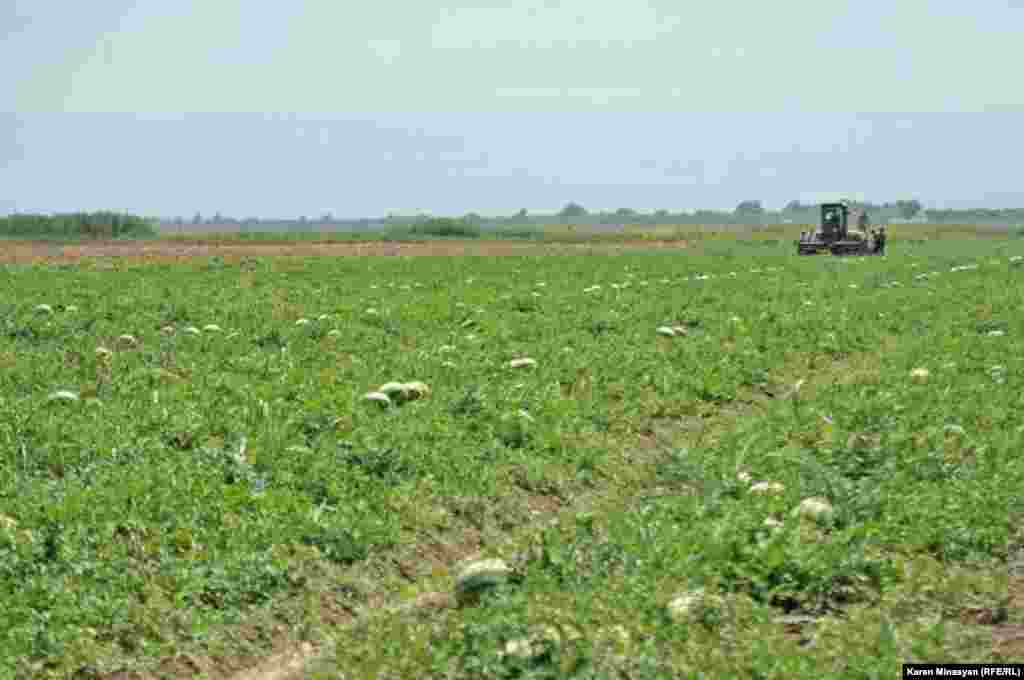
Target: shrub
(447, 226)
(77, 225)
(524, 232)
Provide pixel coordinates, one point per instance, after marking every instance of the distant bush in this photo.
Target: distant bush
(446, 226)
(525, 232)
(77, 225)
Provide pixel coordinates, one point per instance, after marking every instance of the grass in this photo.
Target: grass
(204, 481)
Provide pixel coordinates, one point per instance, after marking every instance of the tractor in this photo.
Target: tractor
(839, 235)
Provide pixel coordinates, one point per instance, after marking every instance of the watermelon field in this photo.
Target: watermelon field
(714, 462)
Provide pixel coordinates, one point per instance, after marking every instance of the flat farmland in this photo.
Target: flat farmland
(720, 460)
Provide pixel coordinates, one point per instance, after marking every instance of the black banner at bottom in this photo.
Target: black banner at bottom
(963, 670)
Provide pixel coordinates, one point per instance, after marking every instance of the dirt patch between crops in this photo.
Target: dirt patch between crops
(1009, 637)
(28, 251)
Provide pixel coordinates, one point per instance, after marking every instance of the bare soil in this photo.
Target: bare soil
(1009, 636)
(29, 251)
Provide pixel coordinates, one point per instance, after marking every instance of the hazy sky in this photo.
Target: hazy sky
(299, 108)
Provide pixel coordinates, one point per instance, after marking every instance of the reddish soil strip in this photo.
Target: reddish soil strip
(28, 251)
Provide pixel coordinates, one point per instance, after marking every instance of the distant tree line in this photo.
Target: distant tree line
(978, 215)
(750, 212)
(907, 209)
(102, 224)
(747, 212)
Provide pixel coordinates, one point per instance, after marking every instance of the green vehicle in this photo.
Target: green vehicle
(839, 235)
